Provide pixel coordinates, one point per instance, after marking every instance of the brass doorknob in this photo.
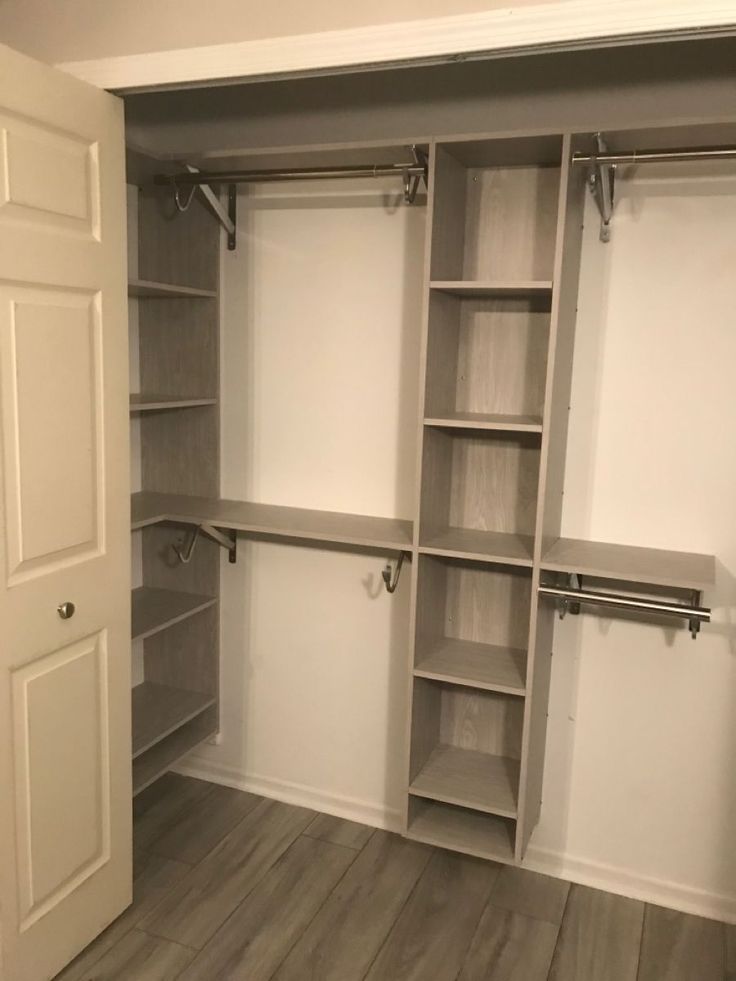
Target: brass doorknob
(66, 610)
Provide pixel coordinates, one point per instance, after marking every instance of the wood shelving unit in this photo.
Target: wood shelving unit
(154, 403)
(156, 609)
(273, 520)
(175, 610)
(145, 289)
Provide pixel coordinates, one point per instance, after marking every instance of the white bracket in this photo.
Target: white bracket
(601, 183)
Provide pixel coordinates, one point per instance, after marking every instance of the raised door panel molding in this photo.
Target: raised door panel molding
(50, 343)
(538, 27)
(48, 178)
(62, 775)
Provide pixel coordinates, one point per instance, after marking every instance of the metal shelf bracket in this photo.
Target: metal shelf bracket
(225, 539)
(601, 182)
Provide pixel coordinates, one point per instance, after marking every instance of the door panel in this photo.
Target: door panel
(65, 781)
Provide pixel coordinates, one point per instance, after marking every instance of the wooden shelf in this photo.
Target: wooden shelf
(154, 610)
(152, 764)
(273, 520)
(146, 289)
(629, 563)
(492, 288)
(158, 710)
(486, 420)
(481, 546)
(460, 830)
(154, 403)
(474, 665)
(471, 779)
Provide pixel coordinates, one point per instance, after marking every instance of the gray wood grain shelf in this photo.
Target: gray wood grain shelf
(462, 830)
(269, 519)
(156, 402)
(468, 778)
(158, 710)
(486, 420)
(491, 288)
(465, 662)
(482, 546)
(157, 760)
(146, 289)
(156, 609)
(629, 563)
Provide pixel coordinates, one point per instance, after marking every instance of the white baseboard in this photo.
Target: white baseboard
(621, 881)
(350, 808)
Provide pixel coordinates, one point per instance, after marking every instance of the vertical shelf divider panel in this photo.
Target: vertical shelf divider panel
(493, 208)
(180, 450)
(568, 246)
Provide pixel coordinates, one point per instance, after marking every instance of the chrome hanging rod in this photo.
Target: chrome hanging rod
(655, 156)
(293, 174)
(694, 614)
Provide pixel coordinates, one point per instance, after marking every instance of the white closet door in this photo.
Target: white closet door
(65, 826)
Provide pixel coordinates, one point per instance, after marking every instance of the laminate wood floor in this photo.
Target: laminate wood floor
(231, 887)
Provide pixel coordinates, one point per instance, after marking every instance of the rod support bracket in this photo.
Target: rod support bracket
(601, 181)
(225, 539)
(391, 578)
(696, 599)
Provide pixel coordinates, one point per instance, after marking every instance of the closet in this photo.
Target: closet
(486, 562)
(470, 548)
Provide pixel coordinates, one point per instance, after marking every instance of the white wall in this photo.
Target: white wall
(321, 305)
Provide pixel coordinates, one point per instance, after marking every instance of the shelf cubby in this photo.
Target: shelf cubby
(167, 752)
(481, 499)
(487, 362)
(461, 830)
(154, 609)
(158, 710)
(466, 747)
(472, 624)
(495, 213)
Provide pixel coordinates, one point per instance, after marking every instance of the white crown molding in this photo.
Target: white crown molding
(547, 26)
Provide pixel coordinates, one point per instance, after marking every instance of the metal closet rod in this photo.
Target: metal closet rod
(292, 174)
(656, 156)
(627, 602)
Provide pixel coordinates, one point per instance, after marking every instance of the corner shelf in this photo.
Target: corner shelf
(468, 778)
(493, 288)
(630, 563)
(146, 289)
(363, 531)
(154, 609)
(486, 421)
(505, 548)
(461, 830)
(159, 710)
(463, 662)
(155, 403)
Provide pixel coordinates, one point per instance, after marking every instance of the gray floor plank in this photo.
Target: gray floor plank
(344, 937)
(599, 939)
(204, 899)
(193, 831)
(156, 877)
(730, 974)
(139, 957)
(263, 929)
(510, 947)
(530, 894)
(433, 932)
(339, 832)
(679, 947)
